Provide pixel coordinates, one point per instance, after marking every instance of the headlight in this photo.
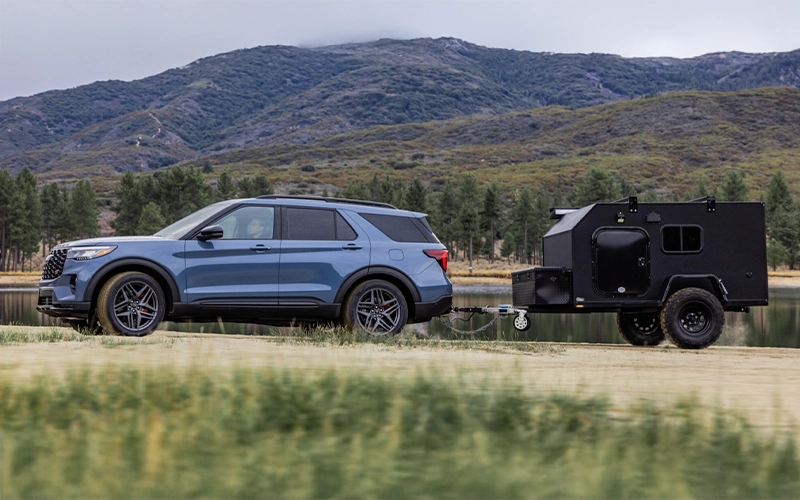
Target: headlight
(86, 253)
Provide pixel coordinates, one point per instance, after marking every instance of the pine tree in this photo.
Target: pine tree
(225, 188)
(83, 210)
(490, 215)
(735, 188)
(52, 209)
(523, 215)
(778, 195)
(416, 198)
(785, 228)
(262, 186)
(129, 205)
(27, 223)
(598, 185)
(6, 193)
(469, 213)
(151, 220)
(447, 207)
(181, 192)
(246, 188)
(701, 189)
(776, 253)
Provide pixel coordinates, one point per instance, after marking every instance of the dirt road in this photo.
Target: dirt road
(761, 383)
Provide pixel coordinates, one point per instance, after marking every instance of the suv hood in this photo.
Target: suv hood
(108, 240)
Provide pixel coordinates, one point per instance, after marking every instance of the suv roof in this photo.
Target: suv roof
(328, 200)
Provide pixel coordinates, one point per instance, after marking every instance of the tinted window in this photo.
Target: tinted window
(310, 224)
(407, 229)
(343, 229)
(692, 238)
(248, 223)
(682, 239)
(671, 239)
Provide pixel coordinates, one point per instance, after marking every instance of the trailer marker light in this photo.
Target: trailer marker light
(578, 306)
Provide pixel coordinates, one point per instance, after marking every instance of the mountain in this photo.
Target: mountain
(276, 97)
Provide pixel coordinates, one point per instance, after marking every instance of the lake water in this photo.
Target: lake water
(777, 325)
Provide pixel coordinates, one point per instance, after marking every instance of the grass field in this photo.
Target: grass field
(339, 414)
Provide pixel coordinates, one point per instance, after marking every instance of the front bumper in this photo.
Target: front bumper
(49, 304)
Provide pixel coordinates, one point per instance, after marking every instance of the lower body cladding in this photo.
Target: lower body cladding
(287, 314)
(242, 311)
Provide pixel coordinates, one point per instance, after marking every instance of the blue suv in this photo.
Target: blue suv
(275, 260)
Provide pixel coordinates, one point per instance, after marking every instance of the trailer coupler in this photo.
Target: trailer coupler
(521, 321)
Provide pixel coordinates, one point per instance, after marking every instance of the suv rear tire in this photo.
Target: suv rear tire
(692, 318)
(640, 328)
(377, 307)
(130, 303)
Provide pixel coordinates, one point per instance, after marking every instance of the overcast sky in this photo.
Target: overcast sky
(57, 44)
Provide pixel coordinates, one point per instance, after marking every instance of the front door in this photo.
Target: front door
(621, 261)
(237, 273)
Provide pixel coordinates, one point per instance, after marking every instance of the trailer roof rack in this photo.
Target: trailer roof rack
(328, 200)
(559, 212)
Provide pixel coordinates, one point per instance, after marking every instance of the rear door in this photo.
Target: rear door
(621, 261)
(319, 250)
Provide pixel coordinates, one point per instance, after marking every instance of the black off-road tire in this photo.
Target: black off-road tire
(377, 307)
(640, 328)
(130, 303)
(692, 318)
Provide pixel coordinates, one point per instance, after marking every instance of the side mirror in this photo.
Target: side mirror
(210, 233)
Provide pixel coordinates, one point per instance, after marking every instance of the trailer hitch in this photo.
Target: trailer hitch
(521, 321)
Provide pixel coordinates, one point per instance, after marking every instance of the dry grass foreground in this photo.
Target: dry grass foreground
(762, 384)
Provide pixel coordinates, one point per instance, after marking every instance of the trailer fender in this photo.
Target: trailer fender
(709, 282)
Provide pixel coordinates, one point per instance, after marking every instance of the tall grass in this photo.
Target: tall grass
(15, 335)
(147, 433)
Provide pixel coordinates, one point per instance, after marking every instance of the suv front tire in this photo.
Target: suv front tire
(130, 303)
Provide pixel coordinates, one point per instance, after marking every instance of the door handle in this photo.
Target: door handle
(260, 248)
(352, 246)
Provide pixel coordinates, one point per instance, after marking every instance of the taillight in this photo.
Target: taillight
(440, 256)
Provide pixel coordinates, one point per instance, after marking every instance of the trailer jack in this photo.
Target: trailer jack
(521, 321)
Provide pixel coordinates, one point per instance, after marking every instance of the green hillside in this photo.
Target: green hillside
(453, 99)
(662, 144)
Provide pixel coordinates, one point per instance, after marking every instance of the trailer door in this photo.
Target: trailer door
(621, 261)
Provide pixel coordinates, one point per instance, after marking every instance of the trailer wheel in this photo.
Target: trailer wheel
(640, 328)
(521, 322)
(692, 318)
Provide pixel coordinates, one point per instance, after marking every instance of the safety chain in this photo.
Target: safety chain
(466, 332)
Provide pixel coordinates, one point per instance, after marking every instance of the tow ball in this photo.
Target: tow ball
(521, 321)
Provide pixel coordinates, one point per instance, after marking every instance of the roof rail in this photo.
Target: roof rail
(328, 200)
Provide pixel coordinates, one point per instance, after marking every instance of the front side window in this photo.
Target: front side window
(248, 223)
(681, 239)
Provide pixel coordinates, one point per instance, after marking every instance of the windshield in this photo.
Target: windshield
(178, 229)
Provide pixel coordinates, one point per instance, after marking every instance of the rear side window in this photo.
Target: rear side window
(404, 229)
(314, 224)
(682, 239)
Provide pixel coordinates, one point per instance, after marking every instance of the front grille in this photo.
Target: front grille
(54, 264)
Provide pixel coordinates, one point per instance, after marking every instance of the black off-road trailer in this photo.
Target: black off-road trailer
(665, 268)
